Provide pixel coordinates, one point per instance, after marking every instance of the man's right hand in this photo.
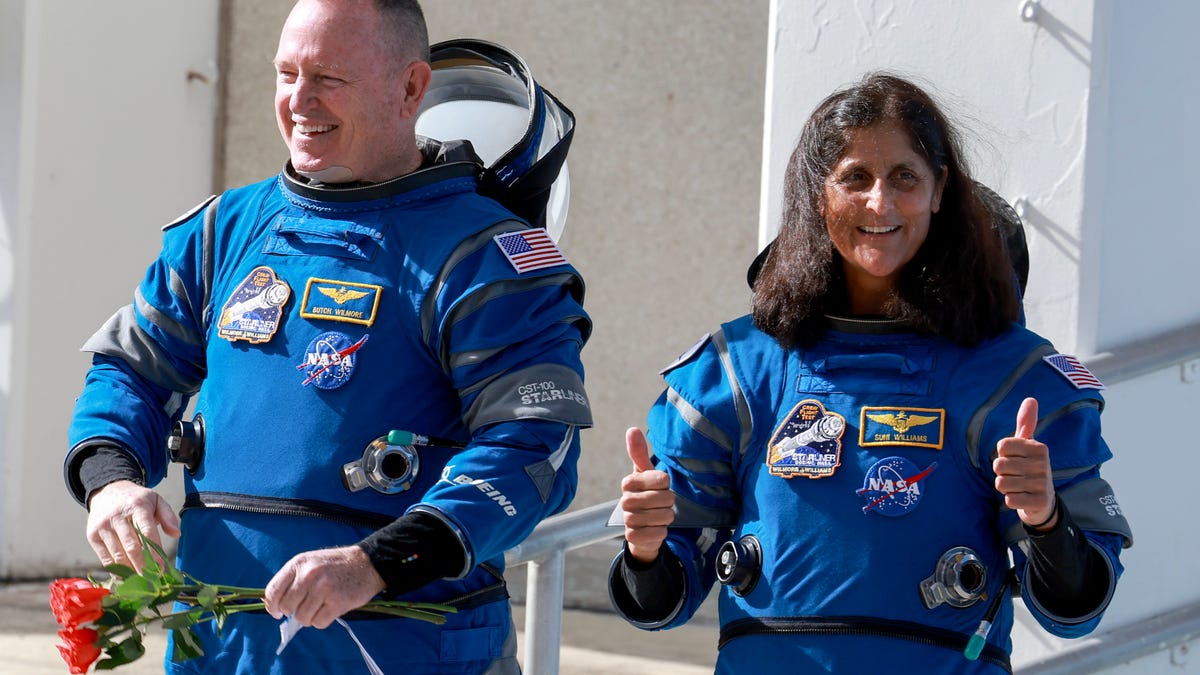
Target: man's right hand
(646, 500)
(115, 510)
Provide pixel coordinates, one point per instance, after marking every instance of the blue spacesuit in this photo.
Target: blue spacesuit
(852, 483)
(310, 321)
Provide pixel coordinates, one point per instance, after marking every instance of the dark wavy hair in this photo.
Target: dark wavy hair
(960, 283)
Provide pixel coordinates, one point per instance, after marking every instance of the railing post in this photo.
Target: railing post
(543, 613)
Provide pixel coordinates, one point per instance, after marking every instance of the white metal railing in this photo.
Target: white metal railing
(545, 549)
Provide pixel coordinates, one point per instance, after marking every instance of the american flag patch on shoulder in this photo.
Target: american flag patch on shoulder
(1074, 371)
(530, 250)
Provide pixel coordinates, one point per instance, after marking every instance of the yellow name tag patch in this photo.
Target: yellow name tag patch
(916, 427)
(344, 301)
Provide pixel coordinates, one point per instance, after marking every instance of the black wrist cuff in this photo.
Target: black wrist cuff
(412, 551)
(93, 468)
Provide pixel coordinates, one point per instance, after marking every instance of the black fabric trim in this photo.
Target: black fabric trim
(860, 625)
(442, 162)
(1068, 576)
(412, 551)
(654, 587)
(98, 465)
(95, 463)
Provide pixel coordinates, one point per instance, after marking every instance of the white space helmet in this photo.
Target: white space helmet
(484, 93)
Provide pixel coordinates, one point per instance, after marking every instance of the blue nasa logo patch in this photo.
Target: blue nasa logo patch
(892, 486)
(330, 360)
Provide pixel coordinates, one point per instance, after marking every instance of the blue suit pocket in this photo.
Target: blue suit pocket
(471, 644)
(312, 236)
(874, 373)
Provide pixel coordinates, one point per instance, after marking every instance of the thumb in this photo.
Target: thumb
(638, 449)
(1027, 417)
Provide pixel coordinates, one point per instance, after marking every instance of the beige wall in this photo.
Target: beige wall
(665, 165)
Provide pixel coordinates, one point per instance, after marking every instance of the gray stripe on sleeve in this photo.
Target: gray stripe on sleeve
(544, 472)
(169, 325)
(546, 391)
(690, 514)
(715, 491)
(121, 337)
(975, 426)
(740, 405)
(482, 296)
(698, 422)
(1093, 507)
(466, 248)
(208, 236)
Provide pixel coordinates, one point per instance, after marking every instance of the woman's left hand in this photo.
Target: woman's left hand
(1023, 473)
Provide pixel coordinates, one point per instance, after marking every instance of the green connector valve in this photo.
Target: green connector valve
(402, 437)
(977, 641)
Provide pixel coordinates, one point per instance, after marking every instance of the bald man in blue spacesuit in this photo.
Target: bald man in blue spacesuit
(367, 288)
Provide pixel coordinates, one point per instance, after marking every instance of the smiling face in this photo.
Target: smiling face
(877, 203)
(344, 101)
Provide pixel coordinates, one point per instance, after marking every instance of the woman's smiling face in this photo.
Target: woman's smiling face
(878, 201)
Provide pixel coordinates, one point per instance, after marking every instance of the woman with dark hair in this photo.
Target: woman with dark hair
(855, 461)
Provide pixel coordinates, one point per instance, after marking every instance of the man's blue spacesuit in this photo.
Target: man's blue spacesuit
(845, 472)
(311, 321)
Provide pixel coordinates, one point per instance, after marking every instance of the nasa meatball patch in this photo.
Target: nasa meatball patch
(330, 360)
(807, 443)
(892, 486)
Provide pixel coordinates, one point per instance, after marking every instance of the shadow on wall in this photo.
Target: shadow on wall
(1058, 237)
(1075, 44)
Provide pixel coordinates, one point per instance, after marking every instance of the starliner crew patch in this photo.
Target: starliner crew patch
(253, 310)
(807, 443)
(530, 250)
(916, 427)
(330, 360)
(892, 486)
(340, 301)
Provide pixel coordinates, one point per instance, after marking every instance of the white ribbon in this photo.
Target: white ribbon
(289, 627)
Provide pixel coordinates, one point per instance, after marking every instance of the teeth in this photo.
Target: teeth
(879, 230)
(315, 128)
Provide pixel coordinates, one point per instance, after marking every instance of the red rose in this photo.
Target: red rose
(78, 648)
(76, 601)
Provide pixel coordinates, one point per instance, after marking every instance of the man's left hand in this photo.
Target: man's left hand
(316, 587)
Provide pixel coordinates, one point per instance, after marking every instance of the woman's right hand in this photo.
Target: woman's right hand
(646, 501)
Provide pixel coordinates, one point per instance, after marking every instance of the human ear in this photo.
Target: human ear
(415, 80)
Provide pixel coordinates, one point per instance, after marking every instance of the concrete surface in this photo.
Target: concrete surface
(594, 643)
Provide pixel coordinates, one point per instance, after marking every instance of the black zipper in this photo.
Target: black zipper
(282, 506)
(859, 625)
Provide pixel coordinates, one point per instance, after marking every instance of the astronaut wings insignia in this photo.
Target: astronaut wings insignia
(341, 295)
(921, 427)
(900, 421)
(338, 300)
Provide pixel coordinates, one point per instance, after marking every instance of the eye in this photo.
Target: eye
(906, 178)
(854, 178)
(285, 75)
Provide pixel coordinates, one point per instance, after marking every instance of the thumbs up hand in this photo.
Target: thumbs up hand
(1023, 473)
(646, 500)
